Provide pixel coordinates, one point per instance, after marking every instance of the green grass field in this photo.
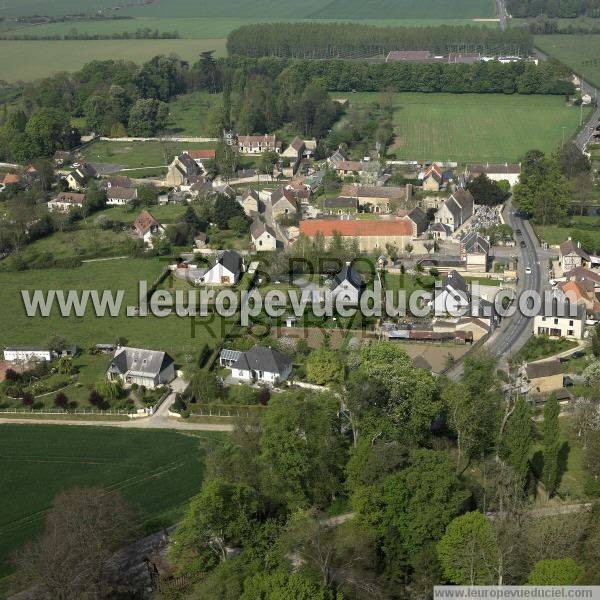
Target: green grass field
(134, 155)
(474, 127)
(22, 60)
(188, 114)
(158, 471)
(580, 52)
(173, 334)
(554, 234)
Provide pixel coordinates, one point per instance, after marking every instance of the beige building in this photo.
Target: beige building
(474, 250)
(65, 201)
(283, 204)
(457, 209)
(432, 179)
(370, 235)
(544, 377)
(251, 203)
(571, 255)
(263, 237)
(182, 171)
(257, 144)
(374, 198)
(496, 172)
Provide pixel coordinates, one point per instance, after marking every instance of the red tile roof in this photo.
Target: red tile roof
(357, 228)
(199, 154)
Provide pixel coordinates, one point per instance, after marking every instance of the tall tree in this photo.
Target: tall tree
(551, 445)
(518, 439)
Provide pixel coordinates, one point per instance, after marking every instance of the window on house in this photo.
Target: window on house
(570, 332)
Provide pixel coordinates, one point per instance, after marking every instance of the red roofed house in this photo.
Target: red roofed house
(65, 201)
(9, 179)
(432, 179)
(201, 156)
(146, 227)
(371, 235)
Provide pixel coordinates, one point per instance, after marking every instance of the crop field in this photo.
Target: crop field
(158, 471)
(134, 155)
(21, 60)
(475, 127)
(261, 9)
(580, 52)
(176, 335)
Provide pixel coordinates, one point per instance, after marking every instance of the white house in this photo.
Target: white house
(118, 196)
(20, 354)
(261, 365)
(227, 270)
(257, 144)
(65, 201)
(496, 172)
(453, 297)
(263, 237)
(474, 250)
(562, 320)
(347, 284)
(150, 368)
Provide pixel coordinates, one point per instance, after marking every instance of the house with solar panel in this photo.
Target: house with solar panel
(258, 365)
(150, 368)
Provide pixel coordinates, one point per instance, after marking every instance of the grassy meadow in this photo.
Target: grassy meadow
(188, 114)
(134, 155)
(556, 234)
(474, 127)
(581, 52)
(173, 334)
(158, 471)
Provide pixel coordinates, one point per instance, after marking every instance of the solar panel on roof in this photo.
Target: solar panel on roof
(230, 354)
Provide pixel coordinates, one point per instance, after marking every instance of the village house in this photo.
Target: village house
(347, 284)
(182, 171)
(118, 196)
(337, 157)
(62, 157)
(440, 231)
(26, 354)
(283, 203)
(150, 368)
(147, 227)
(496, 172)
(571, 255)
(543, 377)
(453, 297)
(457, 209)
(258, 144)
(564, 320)
(474, 250)
(585, 292)
(370, 235)
(367, 171)
(226, 270)
(119, 181)
(251, 203)
(258, 365)
(200, 240)
(7, 179)
(79, 177)
(432, 179)
(340, 206)
(418, 220)
(263, 237)
(478, 328)
(66, 201)
(377, 199)
(200, 157)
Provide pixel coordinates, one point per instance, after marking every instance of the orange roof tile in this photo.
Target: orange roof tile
(357, 228)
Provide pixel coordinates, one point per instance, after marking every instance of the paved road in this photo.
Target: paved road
(514, 331)
(584, 136)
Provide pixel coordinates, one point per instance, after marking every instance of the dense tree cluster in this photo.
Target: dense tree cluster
(568, 9)
(353, 40)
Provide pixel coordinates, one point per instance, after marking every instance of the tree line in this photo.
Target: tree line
(353, 40)
(142, 33)
(568, 9)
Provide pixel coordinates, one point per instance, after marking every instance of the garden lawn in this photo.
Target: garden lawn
(157, 471)
(178, 336)
(134, 155)
(581, 52)
(556, 234)
(474, 127)
(541, 346)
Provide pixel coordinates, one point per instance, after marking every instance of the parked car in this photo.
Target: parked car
(523, 244)
(577, 354)
(528, 270)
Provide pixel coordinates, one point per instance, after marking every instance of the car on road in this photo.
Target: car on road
(518, 232)
(577, 354)
(523, 244)
(528, 270)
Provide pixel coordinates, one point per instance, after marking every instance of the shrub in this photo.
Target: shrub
(242, 394)
(61, 400)
(11, 375)
(27, 399)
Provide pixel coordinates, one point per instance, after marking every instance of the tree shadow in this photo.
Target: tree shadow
(563, 457)
(537, 464)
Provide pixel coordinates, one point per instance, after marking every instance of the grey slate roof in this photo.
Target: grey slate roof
(474, 243)
(455, 279)
(419, 218)
(263, 359)
(231, 260)
(546, 368)
(138, 360)
(340, 202)
(347, 273)
(258, 228)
